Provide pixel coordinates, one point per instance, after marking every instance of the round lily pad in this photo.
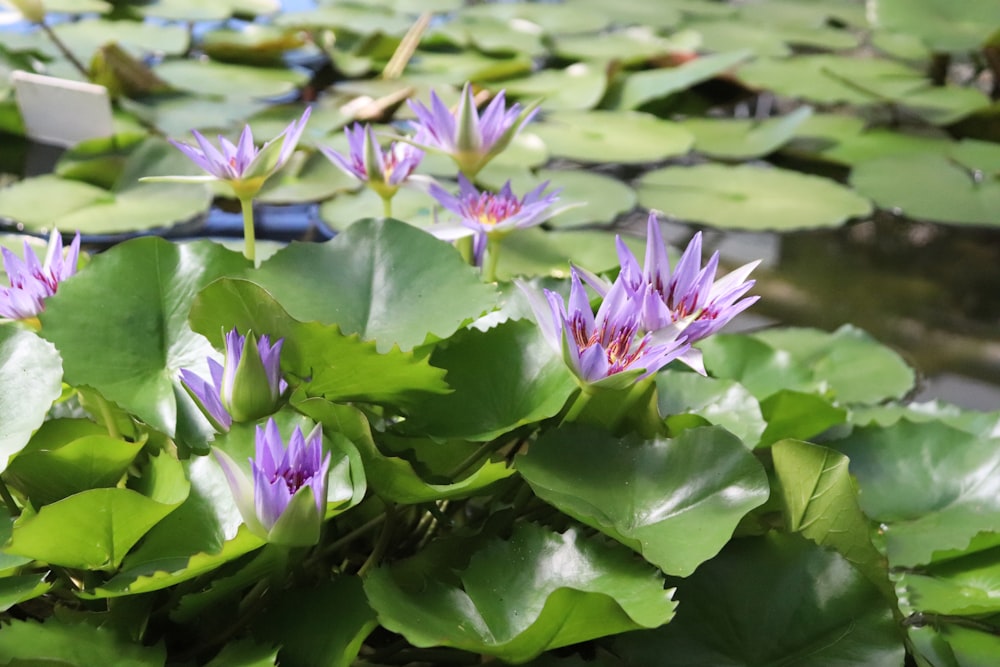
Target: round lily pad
(747, 197)
(578, 87)
(631, 46)
(942, 24)
(252, 44)
(930, 187)
(214, 78)
(556, 19)
(87, 35)
(610, 136)
(743, 139)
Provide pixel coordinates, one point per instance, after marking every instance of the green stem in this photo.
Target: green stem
(248, 231)
(383, 541)
(579, 403)
(8, 499)
(490, 262)
(108, 417)
(486, 449)
(63, 49)
(387, 207)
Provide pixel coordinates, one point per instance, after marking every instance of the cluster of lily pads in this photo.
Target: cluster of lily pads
(457, 436)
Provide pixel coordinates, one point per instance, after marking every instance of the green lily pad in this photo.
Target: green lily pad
(488, 34)
(433, 69)
(30, 381)
(772, 600)
(551, 18)
(719, 401)
(942, 25)
(95, 529)
(544, 604)
(193, 10)
(251, 44)
(134, 351)
(612, 136)
(578, 87)
(176, 115)
(502, 378)
(43, 202)
(930, 187)
(59, 641)
(749, 197)
(85, 36)
(728, 35)
(630, 46)
(744, 139)
(932, 486)
(348, 18)
(880, 143)
(305, 179)
(637, 12)
(215, 78)
(649, 85)
(534, 252)
(343, 210)
(676, 501)
(382, 279)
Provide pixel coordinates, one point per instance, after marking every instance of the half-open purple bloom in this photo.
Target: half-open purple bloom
(688, 299)
(383, 171)
(470, 139)
(246, 388)
(285, 502)
(242, 165)
(32, 281)
(609, 349)
(490, 215)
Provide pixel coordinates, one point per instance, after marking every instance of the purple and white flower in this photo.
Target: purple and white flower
(609, 349)
(242, 165)
(689, 299)
(382, 171)
(284, 500)
(486, 215)
(471, 139)
(32, 281)
(249, 385)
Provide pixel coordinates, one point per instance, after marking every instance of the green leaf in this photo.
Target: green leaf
(649, 85)
(95, 529)
(737, 139)
(205, 77)
(965, 586)
(244, 653)
(304, 180)
(17, 589)
(67, 456)
(545, 603)
(57, 642)
(503, 378)
(749, 197)
(331, 364)
(299, 621)
(723, 402)
(676, 501)
(772, 600)
(943, 25)
(793, 414)
(30, 381)
(855, 366)
(754, 364)
(534, 252)
(134, 351)
(628, 137)
(820, 501)
(391, 477)
(577, 87)
(930, 187)
(932, 485)
(382, 279)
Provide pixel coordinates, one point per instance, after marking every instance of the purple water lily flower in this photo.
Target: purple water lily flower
(490, 215)
(470, 139)
(33, 281)
(242, 165)
(689, 299)
(383, 171)
(285, 502)
(246, 388)
(609, 349)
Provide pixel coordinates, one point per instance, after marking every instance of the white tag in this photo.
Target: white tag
(60, 111)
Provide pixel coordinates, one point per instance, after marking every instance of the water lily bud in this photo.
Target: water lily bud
(251, 379)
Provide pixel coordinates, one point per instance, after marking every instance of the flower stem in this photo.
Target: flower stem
(490, 263)
(248, 230)
(383, 541)
(486, 449)
(387, 207)
(108, 417)
(63, 49)
(579, 404)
